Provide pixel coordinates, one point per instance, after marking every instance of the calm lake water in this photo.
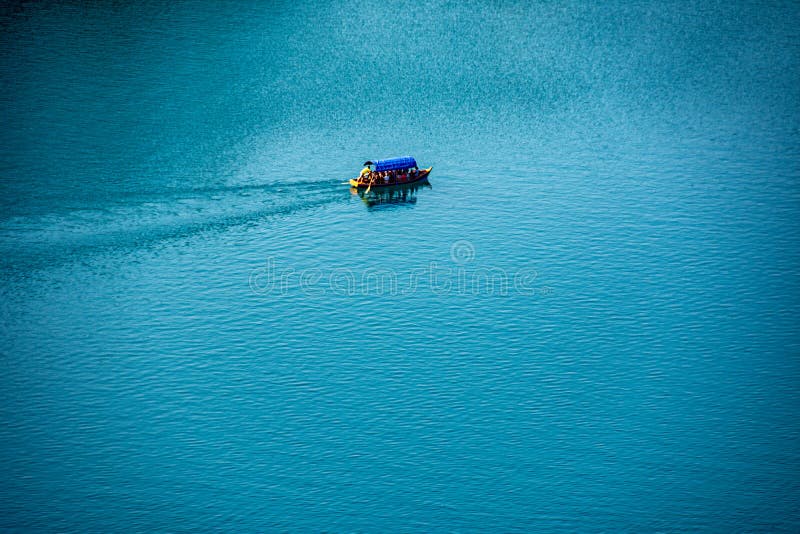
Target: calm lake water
(588, 322)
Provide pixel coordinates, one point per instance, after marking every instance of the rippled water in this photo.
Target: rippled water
(587, 322)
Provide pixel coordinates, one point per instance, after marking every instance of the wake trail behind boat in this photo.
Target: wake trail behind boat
(36, 242)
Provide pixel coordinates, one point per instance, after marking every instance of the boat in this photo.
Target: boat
(390, 172)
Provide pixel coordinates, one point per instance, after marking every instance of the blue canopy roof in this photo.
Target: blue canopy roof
(393, 164)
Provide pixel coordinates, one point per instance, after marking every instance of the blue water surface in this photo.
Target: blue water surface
(588, 322)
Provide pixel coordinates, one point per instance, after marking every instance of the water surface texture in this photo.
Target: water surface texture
(587, 323)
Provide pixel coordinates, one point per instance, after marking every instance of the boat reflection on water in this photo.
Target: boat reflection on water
(390, 196)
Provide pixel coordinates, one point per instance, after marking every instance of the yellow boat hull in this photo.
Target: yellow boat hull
(423, 175)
